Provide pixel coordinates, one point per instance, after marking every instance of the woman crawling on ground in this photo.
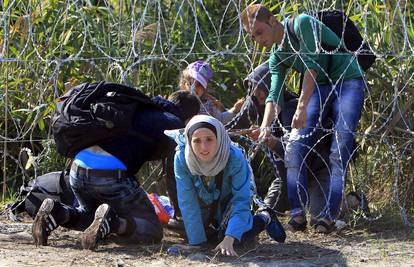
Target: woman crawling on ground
(215, 208)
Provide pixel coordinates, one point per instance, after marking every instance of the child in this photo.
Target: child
(195, 79)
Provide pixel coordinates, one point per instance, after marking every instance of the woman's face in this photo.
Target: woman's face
(204, 144)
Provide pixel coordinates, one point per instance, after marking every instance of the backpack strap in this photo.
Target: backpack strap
(292, 35)
(291, 31)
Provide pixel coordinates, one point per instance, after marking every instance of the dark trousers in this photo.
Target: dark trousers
(125, 196)
(215, 235)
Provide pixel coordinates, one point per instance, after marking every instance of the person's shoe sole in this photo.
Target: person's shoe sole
(39, 233)
(91, 235)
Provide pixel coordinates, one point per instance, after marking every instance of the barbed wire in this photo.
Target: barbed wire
(36, 50)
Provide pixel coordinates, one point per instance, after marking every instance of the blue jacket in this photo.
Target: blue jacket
(194, 196)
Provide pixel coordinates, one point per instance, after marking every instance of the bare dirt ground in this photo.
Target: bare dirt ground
(380, 243)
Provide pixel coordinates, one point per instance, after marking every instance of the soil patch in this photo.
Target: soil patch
(369, 245)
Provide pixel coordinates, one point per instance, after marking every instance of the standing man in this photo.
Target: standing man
(331, 84)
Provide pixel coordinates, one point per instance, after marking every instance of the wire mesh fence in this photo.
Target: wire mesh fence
(49, 46)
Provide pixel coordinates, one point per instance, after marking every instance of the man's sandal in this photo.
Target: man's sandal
(327, 228)
(294, 226)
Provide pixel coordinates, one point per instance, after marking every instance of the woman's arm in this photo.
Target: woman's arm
(240, 218)
(188, 202)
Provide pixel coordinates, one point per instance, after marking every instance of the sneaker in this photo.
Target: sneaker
(44, 222)
(100, 227)
(274, 228)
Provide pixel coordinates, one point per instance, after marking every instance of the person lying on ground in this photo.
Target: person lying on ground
(214, 186)
(102, 179)
(195, 78)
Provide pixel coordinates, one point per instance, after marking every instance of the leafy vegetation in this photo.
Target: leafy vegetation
(47, 44)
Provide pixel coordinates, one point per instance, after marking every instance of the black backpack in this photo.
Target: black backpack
(344, 28)
(54, 185)
(94, 112)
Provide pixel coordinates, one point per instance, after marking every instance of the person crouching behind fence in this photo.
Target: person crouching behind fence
(195, 78)
(102, 178)
(214, 188)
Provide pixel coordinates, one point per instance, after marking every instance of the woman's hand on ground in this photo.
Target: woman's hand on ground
(226, 246)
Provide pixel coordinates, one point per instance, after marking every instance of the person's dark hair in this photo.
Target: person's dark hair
(255, 12)
(199, 125)
(259, 78)
(188, 104)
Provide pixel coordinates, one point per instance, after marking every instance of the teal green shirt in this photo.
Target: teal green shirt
(308, 54)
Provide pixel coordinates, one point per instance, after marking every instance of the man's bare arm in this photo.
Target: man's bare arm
(271, 111)
(299, 119)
